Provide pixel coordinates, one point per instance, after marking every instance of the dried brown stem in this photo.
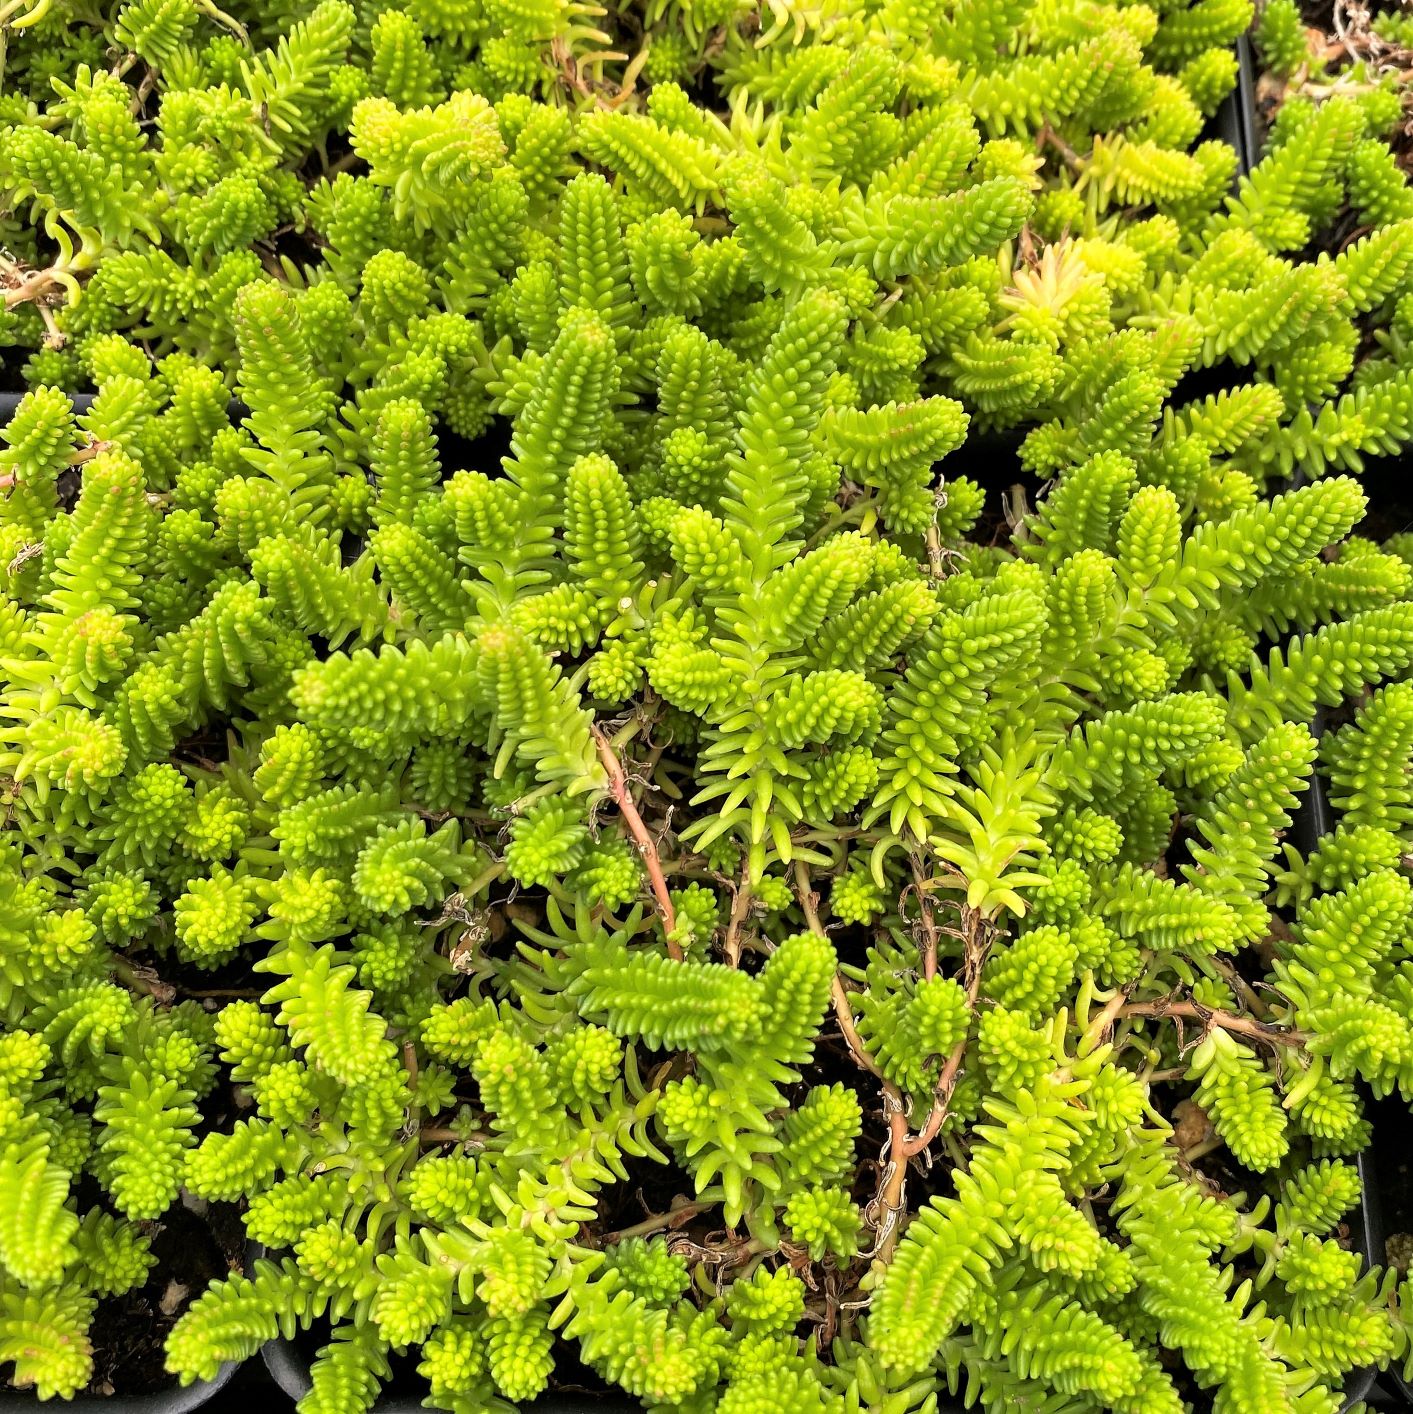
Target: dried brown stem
(618, 788)
(885, 1213)
(887, 1208)
(929, 923)
(36, 285)
(936, 561)
(629, 81)
(1242, 987)
(569, 68)
(941, 1099)
(656, 1222)
(144, 979)
(808, 898)
(224, 20)
(740, 907)
(452, 1136)
(1225, 1020)
(844, 1015)
(54, 336)
(838, 994)
(649, 765)
(1048, 137)
(974, 943)
(1104, 1021)
(89, 450)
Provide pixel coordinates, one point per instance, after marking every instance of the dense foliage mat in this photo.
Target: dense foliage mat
(527, 782)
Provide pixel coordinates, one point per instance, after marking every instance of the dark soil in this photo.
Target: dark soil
(1342, 32)
(129, 1331)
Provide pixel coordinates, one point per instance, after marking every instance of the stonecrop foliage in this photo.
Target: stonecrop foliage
(546, 769)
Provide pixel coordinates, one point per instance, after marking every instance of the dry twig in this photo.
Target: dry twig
(618, 788)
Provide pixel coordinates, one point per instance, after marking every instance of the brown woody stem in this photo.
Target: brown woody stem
(740, 907)
(674, 1217)
(1224, 1020)
(618, 788)
(838, 994)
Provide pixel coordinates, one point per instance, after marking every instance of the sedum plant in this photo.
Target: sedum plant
(542, 773)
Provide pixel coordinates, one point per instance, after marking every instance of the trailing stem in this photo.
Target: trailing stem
(618, 788)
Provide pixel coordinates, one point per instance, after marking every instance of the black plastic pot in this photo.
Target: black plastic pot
(1237, 121)
(168, 1401)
